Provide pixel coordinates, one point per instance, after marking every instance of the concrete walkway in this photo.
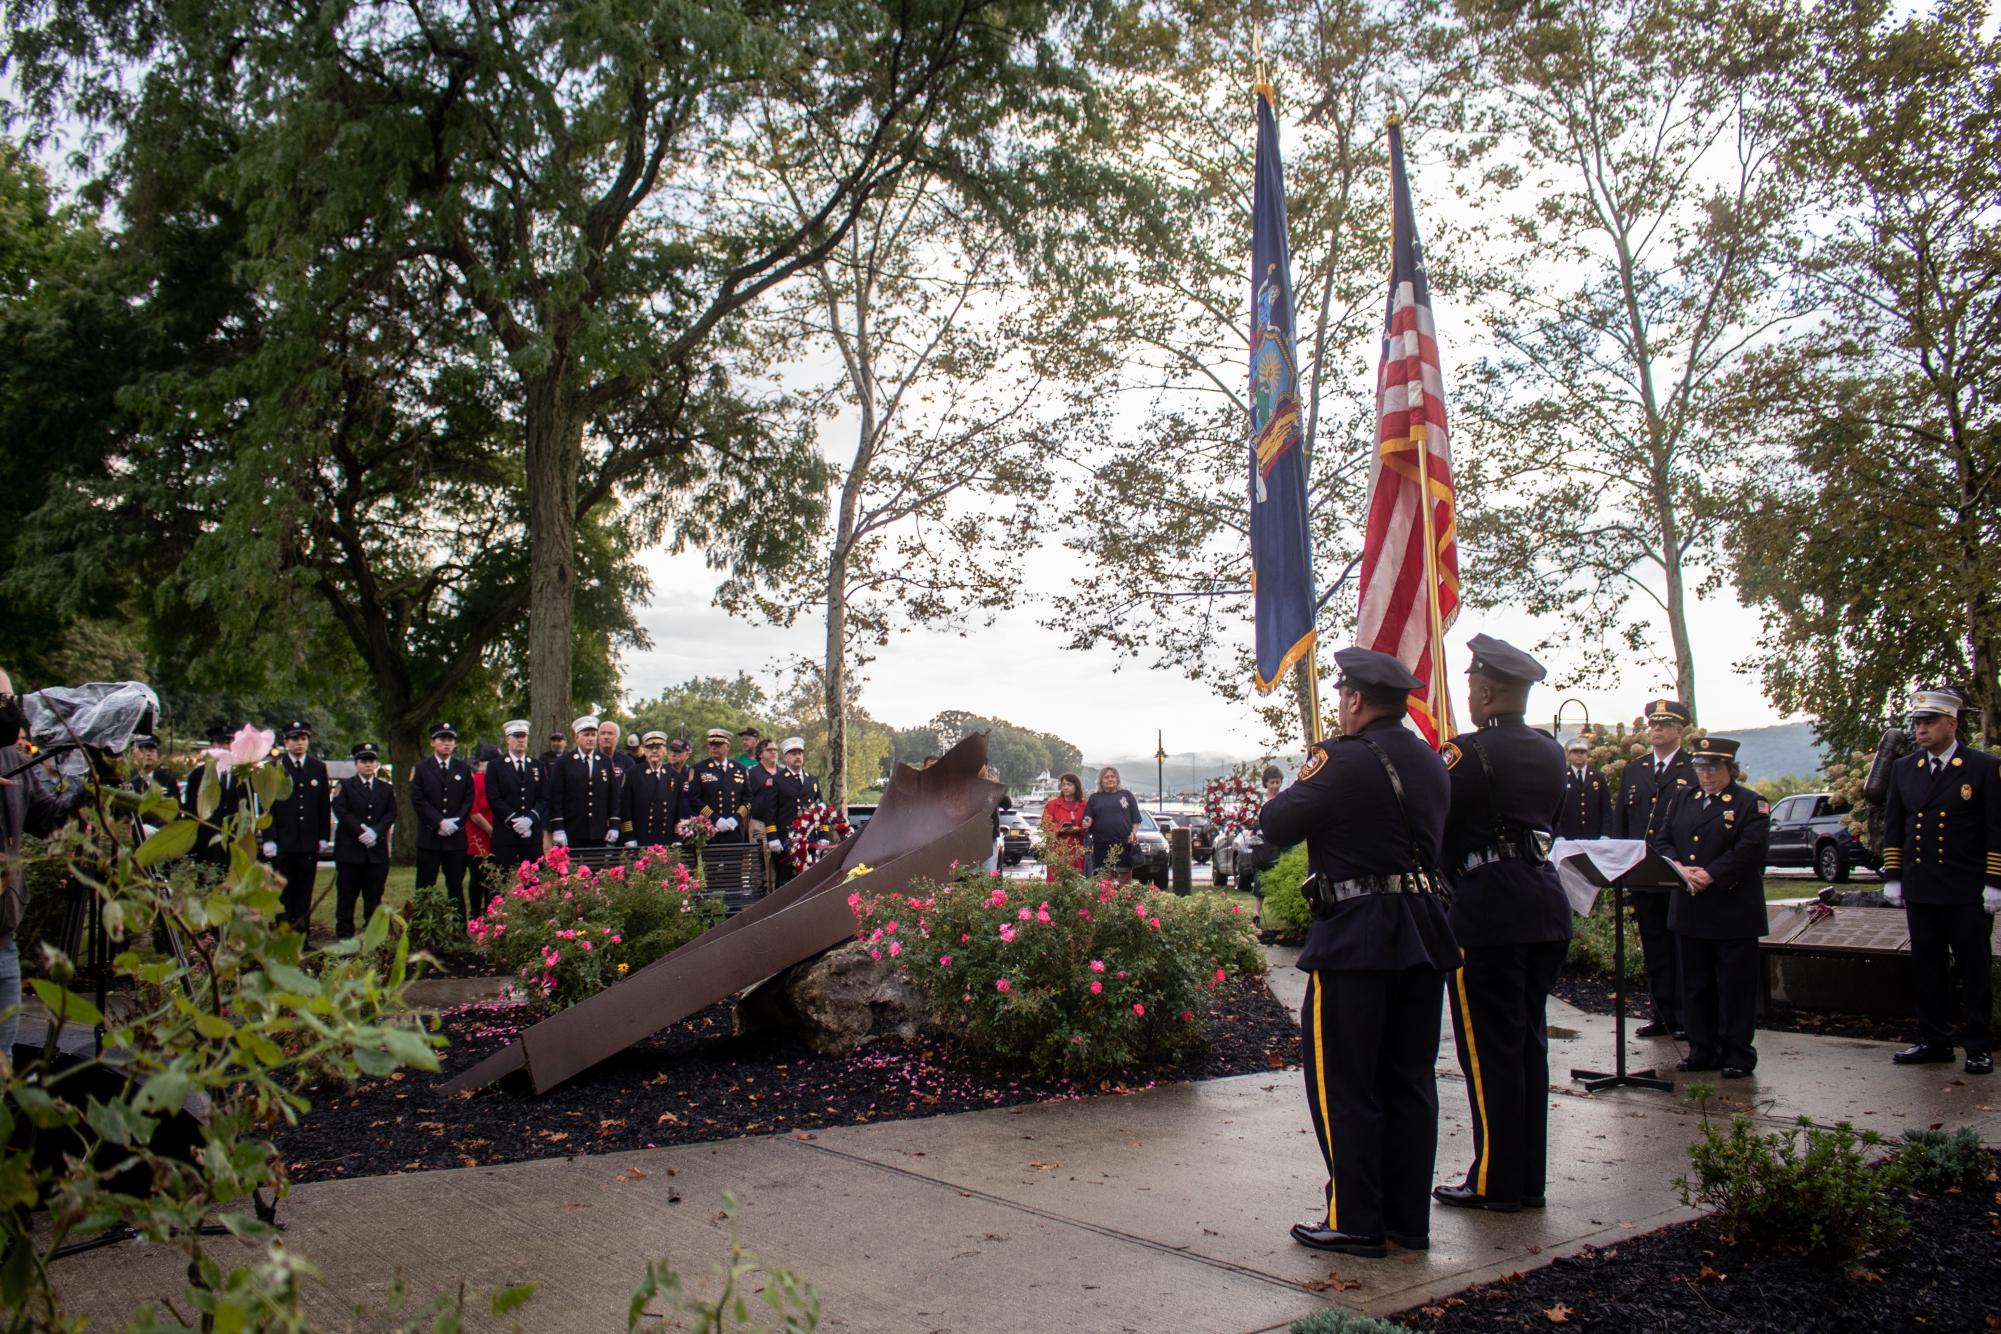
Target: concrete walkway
(1161, 1211)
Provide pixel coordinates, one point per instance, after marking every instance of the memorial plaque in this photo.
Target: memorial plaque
(1855, 931)
(1786, 924)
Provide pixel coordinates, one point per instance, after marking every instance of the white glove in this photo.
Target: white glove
(562, 839)
(727, 823)
(1893, 893)
(270, 849)
(611, 835)
(1990, 899)
(367, 837)
(446, 828)
(326, 845)
(521, 825)
(776, 845)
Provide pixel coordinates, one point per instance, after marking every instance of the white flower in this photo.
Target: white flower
(249, 746)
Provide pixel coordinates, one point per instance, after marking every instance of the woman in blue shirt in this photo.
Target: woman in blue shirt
(1111, 818)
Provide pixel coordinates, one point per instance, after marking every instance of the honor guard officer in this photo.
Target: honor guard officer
(1587, 798)
(792, 792)
(1512, 921)
(1942, 861)
(583, 793)
(651, 804)
(441, 796)
(1646, 787)
(681, 775)
(1716, 832)
(720, 790)
(364, 809)
(514, 794)
(301, 825)
(1370, 805)
(209, 849)
(147, 771)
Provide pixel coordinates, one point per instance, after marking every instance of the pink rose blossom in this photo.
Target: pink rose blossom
(875, 954)
(944, 961)
(250, 745)
(890, 927)
(1003, 986)
(1153, 922)
(1023, 914)
(1140, 909)
(894, 949)
(1097, 965)
(1220, 975)
(1139, 1009)
(1007, 935)
(1097, 988)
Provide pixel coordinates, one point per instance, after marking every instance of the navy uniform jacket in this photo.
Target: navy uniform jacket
(359, 803)
(1643, 800)
(304, 820)
(1505, 902)
(1587, 804)
(651, 802)
(1942, 832)
(513, 792)
(794, 793)
(763, 797)
(1727, 839)
(1343, 809)
(583, 796)
(719, 789)
(439, 791)
(162, 778)
(234, 791)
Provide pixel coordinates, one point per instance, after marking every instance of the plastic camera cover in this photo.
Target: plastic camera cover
(105, 715)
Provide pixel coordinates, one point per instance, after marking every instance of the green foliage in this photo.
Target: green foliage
(1018, 754)
(570, 932)
(694, 706)
(1808, 1191)
(1778, 789)
(434, 922)
(1593, 947)
(1075, 975)
(1332, 1320)
(250, 1021)
(1936, 1161)
(1286, 909)
(793, 1304)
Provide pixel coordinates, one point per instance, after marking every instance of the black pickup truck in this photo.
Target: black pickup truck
(1806, 830)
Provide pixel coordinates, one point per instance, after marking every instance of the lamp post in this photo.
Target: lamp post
(1556, 725)
(1159, 771)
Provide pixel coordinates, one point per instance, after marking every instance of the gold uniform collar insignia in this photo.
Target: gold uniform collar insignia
(1725, 798)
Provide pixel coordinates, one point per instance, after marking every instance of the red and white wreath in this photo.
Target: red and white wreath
(816, 829)
(1232, 805)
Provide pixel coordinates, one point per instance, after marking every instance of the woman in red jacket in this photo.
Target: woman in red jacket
(1062, 826)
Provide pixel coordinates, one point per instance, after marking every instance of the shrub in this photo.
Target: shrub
(1592, 944)
(569, 932)
(434, 922)
(1936, 1161)
(1286, 910)
(1332, 1320)
(1078, 976)
(1822, 1200)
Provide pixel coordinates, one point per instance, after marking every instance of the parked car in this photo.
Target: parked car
(1807, 831)
(859, 816)
(1223, 859)
(1201, 834)
(1150, 852)
(1017, 840)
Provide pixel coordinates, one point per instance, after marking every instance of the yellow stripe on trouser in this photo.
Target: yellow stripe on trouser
(1479, 1089)
(1320, 1092)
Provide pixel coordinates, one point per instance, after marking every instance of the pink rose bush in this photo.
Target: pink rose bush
(1077, 976)
(567, 932)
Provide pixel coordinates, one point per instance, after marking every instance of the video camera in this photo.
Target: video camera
(81, 726)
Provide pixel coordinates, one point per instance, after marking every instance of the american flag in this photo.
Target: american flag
(1407, 600)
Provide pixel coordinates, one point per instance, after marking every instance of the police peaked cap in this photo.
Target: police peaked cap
(297, 727)
(444, 729)
(1502, 661)
(365, 750)
(1668, 711)
(144, 742)
(1366, 667)
(1714, 750)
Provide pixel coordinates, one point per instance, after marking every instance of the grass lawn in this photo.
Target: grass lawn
(395, 894)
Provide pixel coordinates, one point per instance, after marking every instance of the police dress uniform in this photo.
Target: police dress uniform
(300, 823)
(160, 776)
(1719, 928)
(652, 806)
(1512, 921)
(583, 796)
(441, 792)
(1586, 808)
(1646, 787)
(1942, 843)
(361, 870)
(514, 791)
(1377, 956)
(720, 790)
(210, 850)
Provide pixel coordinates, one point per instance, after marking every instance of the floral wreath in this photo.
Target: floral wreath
(696, 827)
(1232, 805)
(815, 829)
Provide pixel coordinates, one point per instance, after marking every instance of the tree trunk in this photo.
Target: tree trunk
(835, 680)
(554, 436)
(1677, 601)
(1979, 627)
(404, 756)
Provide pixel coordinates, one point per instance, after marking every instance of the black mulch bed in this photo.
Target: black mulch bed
(1944, 1273)
(695, 1081)
(1594, 994)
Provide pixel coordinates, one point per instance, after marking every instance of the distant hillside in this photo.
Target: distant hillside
(1186, 771)
(1785, 751)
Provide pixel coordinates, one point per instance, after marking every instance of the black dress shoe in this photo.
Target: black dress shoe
(1681, 1035)
(1736, 1072)
(1924, 1054)
(1689, 1065)
(1347, 1243)
(1653, 1030)
(1981, 1064)
(1412, 1241)
(1534, 1201)
(1465, 1197)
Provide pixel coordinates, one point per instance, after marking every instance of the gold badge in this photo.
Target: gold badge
(1966, 792)
(1957, 761)
(1313, 765)
(1726, 798)
(1449, 753)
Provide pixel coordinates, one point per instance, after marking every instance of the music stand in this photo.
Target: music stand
(1654, 872)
